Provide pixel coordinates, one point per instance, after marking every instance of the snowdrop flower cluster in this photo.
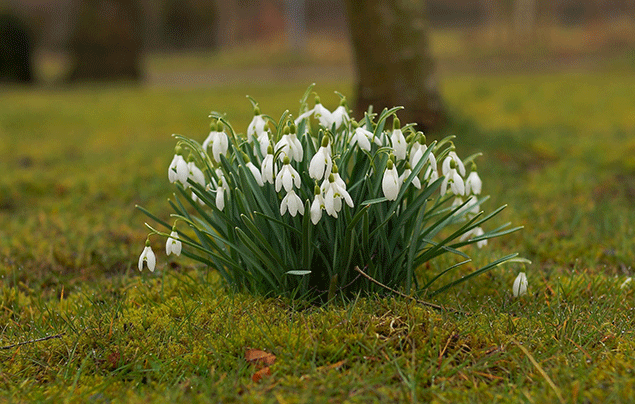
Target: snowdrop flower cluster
(319, 192)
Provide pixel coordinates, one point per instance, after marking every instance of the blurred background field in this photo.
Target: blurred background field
(549, 102)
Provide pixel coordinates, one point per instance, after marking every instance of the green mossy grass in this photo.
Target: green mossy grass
(557, 148)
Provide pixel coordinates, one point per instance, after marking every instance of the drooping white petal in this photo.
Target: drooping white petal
(178, 170)
(256, 128)
(520, 285)
(268, 168)
(473, 184)
(195, 174)
(264, 142)
(256, 173)
(173, 245)
(324, 116)
(292, 203)
(316, 208)
(147, 256)
(415, 181)
(220, 198)
(362, 137)
(390, 184)
(320, 164)
(340, 116)
(220, 145)
(399, 144)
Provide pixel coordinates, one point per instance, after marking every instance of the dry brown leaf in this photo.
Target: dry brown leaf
(335, 365)
(259, 357)
(256, 377)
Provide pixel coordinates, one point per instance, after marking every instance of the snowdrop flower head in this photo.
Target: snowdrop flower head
(173, 245)
(217, 139)
(177, 171)
(257, 126)
(406, 173)
(147, 256)
(452, 158)
(255, 172)
(520, 285)
(340, 115)
(474, 233)
(473, 183)
(292, 203)
(391, 184)
(453, 181)
(268, 167)
(321, 162)
(287, 177)
(317, 205)
(323, 115)
(361, 137)
(290, 145)
(398, 140)
(194, 173)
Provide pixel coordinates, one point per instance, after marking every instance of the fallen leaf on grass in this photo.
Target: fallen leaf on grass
(259, 357)
(335, 365)
(256, 377)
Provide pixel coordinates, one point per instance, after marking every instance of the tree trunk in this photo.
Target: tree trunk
(394, 64)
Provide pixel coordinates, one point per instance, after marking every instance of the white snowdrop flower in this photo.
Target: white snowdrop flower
(431, 174)
(454, 182)
(340, 115)
(474, 233)
(404, 176)
(257, 126)
(287, 177)
(264, 142)
(418, 150)
(268, 167)
(177, 171)
(473, 184)
(302, 117)
(293, 203)
(173, 245)
(399, 143)
(472, 206)
(323, 115)
(290, 145)
(147, 256)
(218, 140)
(321, 162)
(317, 206)
(256, 173)
(520, 285)
(195, 174)
(334, 190)
(447, 164)
(362, 138)
(390, 184)
(220, 195)
(626, 282)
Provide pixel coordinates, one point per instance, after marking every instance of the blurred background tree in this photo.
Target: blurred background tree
(106, 41)
(15, 49)
(393, 60)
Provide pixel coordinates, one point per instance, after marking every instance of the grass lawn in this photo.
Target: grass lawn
(559, 149)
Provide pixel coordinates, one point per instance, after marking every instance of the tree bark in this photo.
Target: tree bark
(393, 60)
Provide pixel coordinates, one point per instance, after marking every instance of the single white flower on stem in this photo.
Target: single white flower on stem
(417, 151)
(431, 174)
(398, 140)
(268, 167)
(264, 142)
(340, 115)
(173, 245)
(452, 161)
(520, 285)
(194, 173)
(217, 139)
(334, 190)
(257, 126)
(473, 183)
(362, 138)
(290, 145)
(406, 173)
(147, 256)
(321, 162)
(317, 205)
(177, 171)
(390, 184)
(221, 188)
(255, 172)
(293, 203)
(453, 181)
(287, 177)
(323, 115)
